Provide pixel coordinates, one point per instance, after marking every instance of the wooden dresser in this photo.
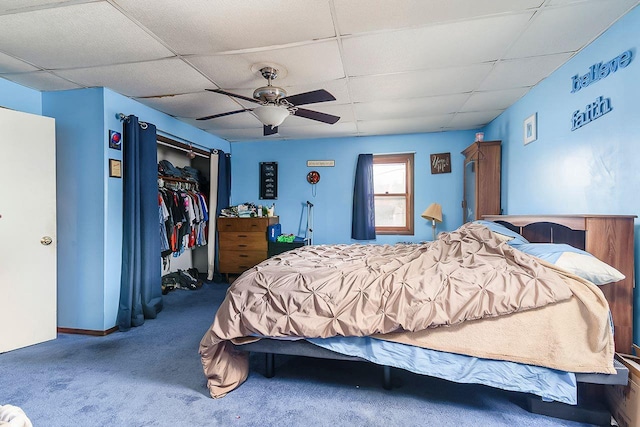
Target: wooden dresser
(609, 238)
(242, 242)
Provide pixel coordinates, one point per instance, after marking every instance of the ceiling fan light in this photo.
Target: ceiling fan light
(271, 115)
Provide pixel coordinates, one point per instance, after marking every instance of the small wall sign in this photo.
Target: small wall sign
(530, 129)
(321, 163)
(268, 180)
(115, 140)
(115, 168)
(441, 163)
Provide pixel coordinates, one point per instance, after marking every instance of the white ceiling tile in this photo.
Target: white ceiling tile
(9, 64)
(401, 126)
(192, 105)
(205, 26)
(411, 107)
(523, 72)
(439, 46)
(153, 78)
(41, 80)
(243, 134)
(493, 100)
(474, 119)
(315, 62)
(13, 6)
(418, 83)
(77, 36)
(356, 16)
(246, 120)
(568, 28)
(319, 131)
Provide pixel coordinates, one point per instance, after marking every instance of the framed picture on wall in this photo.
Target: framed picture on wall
(530, 129)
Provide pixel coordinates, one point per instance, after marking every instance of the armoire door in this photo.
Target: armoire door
(27, 230)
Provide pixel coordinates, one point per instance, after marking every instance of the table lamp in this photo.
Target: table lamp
(433, 213)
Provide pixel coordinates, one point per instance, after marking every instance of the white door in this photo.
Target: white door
(27, 229)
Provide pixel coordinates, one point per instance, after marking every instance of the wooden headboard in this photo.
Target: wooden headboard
(608, 237)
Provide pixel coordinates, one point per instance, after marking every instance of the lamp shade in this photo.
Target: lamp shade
(271, 115)
(433, 212)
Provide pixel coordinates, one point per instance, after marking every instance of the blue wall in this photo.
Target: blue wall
(592, 169)
(334, 192)
(20, 98)
(90, 203)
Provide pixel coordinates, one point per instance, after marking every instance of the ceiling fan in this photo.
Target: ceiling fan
(275, 105)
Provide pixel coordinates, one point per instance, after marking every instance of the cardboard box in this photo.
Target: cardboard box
(624, 401)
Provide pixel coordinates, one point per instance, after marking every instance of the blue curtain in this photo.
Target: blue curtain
(140, 286)
(363, 223)
(224, 195)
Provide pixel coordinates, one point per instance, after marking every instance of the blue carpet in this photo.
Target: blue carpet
(151, 376)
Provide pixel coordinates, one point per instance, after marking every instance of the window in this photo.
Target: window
(393, 193)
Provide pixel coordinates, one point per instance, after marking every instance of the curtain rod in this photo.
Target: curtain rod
(122, 117)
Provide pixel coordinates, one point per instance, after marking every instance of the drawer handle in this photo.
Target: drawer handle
(242, 246)
(242, 235)
(243, 256)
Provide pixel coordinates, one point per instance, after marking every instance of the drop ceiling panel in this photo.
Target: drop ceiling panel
(205, 26)
(493, 100)
(244, 120)
(252, 134)
(9, 64)
(315, 62)
(474, 119)
(41, 80)
(77, 36)
(12, 6)
(568, 28)
(192, 105)
(319, 131)
(154, 78)
(412, 107)
(418, 84)
(357, 16)
(402, 126)
(440, 46)
(524, 72)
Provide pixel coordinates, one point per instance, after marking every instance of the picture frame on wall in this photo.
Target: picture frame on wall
(530, 129)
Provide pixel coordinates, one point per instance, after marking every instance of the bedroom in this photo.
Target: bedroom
(589, 170)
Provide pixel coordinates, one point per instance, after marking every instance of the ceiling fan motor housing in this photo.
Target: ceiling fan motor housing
(269, 94)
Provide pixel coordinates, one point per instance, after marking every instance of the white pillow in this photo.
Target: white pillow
(589, 267)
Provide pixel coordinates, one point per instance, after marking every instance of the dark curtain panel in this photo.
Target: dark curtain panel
(363, 223)
(224, 192)
(140, 286)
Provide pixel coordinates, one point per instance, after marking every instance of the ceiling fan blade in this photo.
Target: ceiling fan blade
(228, 113)
(316, 115)
(268, 130)
(235, 95)
(312, 97)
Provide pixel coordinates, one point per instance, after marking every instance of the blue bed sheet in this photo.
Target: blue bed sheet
(547, 383)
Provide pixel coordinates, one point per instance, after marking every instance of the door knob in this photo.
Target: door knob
(46, 240)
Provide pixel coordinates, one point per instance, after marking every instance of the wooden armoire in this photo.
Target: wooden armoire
(481, 195)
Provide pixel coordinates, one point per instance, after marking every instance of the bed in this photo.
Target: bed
(290, 296)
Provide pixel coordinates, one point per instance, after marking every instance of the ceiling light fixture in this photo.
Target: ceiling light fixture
(271, 115)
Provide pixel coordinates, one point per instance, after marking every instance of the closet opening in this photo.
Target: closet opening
(184, 188)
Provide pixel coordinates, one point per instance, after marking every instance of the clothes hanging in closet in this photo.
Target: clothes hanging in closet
(183, 218)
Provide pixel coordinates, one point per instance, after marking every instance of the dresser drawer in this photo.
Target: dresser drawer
(243, 241)
(239, 261)
(246, 224)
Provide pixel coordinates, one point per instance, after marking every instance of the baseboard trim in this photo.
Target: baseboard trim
(87, 331)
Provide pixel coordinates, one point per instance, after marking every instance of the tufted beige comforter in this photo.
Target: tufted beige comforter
(405, 292)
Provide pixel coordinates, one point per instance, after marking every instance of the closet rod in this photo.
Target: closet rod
(196, 151)
(205, 151)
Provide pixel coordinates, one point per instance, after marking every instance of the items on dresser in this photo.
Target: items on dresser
(481, 194)
(242, 242)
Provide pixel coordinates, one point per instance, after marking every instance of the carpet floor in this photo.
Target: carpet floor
(151, 376)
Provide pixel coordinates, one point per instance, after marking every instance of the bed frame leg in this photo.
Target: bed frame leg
(270, 358)
(386, 378)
